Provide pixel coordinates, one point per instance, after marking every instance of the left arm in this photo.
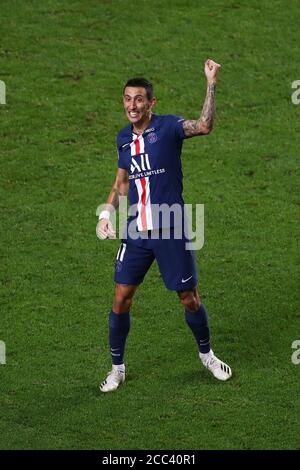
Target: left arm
(204, 124)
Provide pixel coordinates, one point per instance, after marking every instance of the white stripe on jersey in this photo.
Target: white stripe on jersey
(142, 143)
(148, 206)
(144, 219)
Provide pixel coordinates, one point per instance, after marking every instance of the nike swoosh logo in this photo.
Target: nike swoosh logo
(185, 280)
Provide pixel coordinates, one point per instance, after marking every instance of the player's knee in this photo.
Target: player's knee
(121, 304)
(191, 301)
(123, 299)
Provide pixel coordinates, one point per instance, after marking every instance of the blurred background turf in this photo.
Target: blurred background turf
(64, 64)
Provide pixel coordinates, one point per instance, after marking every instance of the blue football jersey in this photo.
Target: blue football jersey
(153, 162)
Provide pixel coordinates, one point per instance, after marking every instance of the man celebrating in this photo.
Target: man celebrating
(149, 170)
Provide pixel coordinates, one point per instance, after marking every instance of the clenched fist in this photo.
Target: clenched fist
(211, 69)
(105, 229)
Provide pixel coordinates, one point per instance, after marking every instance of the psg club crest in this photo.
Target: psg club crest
(152, 137)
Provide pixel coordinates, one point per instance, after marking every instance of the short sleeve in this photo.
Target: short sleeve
(121, 163)
(176, 122)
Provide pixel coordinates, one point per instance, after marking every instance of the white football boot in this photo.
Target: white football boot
(218, 368)
(114, 378)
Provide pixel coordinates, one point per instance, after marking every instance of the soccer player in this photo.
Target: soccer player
(149, 171)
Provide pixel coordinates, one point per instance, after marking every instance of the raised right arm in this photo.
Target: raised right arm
(204, 124)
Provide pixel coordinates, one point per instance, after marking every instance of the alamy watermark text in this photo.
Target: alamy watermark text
(2, 92)
(2, 353)
(165, 221)
(296, 95)
(296, 354)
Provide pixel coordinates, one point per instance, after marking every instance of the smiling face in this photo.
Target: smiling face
(137, 107)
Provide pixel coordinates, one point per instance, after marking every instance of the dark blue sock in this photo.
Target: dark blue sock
(198, 323)
(119, 326)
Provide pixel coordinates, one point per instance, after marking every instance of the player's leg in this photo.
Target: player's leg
(178, 269)
(119, 326)
(132, 264)
(119, 322)
(197, 319)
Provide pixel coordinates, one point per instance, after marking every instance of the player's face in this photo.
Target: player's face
(137, 106)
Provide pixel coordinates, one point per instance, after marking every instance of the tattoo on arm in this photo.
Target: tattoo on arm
(208, 111)
(205, 123)
(190, 128)
(115, 198)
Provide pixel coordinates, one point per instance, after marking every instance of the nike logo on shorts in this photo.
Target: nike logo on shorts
(185, 280)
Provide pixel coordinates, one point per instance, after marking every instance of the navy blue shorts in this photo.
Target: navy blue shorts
(176, 264)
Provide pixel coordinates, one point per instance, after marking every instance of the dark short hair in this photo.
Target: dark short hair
(141, 82)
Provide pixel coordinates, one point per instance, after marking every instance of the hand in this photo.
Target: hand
(105, 229)
(211, 70)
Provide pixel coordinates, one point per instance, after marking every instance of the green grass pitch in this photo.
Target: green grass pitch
(64, 65)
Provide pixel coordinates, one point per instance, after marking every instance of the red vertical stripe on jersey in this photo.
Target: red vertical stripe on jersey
(137, 145)
(143, 183)
(143, 211)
